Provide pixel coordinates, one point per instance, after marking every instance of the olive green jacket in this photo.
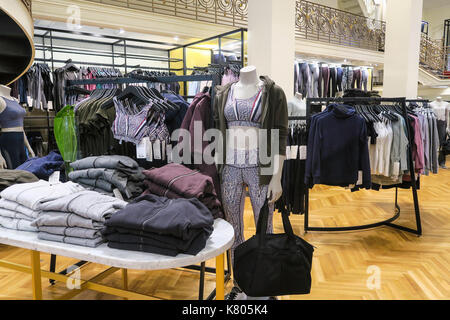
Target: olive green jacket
(274, 116)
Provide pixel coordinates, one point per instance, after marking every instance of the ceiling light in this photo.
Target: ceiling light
(176, 38)
(121, 31)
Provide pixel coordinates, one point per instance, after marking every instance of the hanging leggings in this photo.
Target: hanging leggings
(234, 181)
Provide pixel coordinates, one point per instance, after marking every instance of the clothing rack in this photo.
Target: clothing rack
(387, 222)
(166, 79)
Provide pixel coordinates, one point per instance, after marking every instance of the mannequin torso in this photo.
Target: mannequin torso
(5, 98)
(249, 86)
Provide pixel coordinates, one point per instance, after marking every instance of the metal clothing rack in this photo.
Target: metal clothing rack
(387, 222)
(134, 79)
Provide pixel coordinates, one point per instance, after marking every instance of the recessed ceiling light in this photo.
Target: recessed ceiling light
(121, 31)
(176, 38)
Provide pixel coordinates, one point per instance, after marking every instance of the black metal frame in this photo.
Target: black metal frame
(387, 222)
(168, 79)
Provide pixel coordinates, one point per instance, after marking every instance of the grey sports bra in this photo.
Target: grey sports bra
(13, 114)
(243, 112)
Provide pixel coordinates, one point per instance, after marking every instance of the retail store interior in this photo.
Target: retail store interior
(93, 92)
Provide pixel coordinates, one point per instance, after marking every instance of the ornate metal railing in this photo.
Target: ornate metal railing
(225, 12)
(326, 24)
(27, 4)
(433, 55)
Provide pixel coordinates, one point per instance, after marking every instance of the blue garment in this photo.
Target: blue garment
(174, 119)
(43, 167)
(337, 148)
(13, 114)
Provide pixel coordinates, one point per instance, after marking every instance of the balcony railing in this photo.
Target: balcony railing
(27, 4)
(433, 56)
(326, 24)
(225, 12)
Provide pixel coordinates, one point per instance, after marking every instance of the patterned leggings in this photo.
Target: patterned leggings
(234, 181)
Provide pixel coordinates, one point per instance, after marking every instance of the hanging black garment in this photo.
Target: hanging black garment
(273, 264)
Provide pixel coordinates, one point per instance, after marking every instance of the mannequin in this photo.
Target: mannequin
(13, 139)
(442, 110)
(247, 87)
(245, 108)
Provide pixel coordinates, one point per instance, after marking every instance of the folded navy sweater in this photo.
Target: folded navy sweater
(337, 148)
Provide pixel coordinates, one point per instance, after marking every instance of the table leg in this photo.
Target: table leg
(220, 278)
(125, 280)
(36, 274)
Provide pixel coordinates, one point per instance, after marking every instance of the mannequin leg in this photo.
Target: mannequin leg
(258, 195)
(233, 200)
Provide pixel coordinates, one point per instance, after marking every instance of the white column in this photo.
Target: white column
(271, 40)
(401, 57)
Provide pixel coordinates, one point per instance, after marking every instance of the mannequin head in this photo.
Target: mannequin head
(5, 91)
(439, 99)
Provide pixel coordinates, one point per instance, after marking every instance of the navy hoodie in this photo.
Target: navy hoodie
(337, 148)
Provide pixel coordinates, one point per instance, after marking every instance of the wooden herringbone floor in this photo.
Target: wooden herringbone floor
(409, 267)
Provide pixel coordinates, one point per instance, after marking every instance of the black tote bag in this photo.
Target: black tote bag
(273, 264)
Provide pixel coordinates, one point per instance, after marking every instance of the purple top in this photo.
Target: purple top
(13, 115)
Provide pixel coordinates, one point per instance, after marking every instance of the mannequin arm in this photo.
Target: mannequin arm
(2, 162)
(275, 189)
(27, 144)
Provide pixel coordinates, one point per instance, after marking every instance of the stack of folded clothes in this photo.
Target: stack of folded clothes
(11, 177)
(77, 218)
(106, 173)
(43, 167)
(160, 225)
(176, 181)
(22, 203)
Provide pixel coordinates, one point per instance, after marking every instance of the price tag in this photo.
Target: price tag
(141, 149)
(396, 171)
(117, 194)
(149, 146)
(360, 178)
(288, 153)
(50, 105)
(54, 178)
(303, 152)
(294, 152)
(157, 150)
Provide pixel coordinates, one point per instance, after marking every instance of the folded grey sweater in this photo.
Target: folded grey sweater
(14, 214)
(17, 224)
(92, 243)
(65, 219)
(34, 195)
(87, 204)
(14, 206)
(129, 184)
(110, 162)
(72, 232)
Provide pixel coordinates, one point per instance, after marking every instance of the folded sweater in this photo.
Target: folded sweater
(14, 206)
(87, 204)
(11, 177)
(110, 162)
(65, 219)
(34, 195)
(92, 243)
(17, 224)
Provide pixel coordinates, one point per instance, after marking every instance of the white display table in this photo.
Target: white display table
(220, 241)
